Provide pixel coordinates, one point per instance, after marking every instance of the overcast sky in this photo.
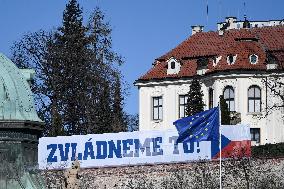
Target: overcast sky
(142, 30)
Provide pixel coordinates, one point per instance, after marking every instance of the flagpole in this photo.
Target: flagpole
(220, 158)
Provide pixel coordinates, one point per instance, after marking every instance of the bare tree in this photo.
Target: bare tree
(275, 86)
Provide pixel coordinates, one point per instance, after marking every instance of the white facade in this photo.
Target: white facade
(234, 24)
(271, 127)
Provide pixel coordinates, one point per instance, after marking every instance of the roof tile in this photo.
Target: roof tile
(240, 42)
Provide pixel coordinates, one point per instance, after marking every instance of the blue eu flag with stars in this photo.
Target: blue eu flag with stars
(199, 127)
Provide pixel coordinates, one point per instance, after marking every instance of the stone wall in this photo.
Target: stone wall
(255, 173)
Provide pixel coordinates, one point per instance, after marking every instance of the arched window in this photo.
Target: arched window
(254, 99)
(229, 96)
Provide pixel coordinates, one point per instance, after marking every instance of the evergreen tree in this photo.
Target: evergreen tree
(195, 101)
(119, 124)
(225, 113)
(77, 85)
(104, 111)
(71, 43)
(102, 71)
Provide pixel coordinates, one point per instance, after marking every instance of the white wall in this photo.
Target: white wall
(259, 24)
(271, 127)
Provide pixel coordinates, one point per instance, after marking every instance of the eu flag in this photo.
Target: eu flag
(199, 127)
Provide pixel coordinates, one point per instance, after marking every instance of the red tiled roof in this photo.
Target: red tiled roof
(243, 42)
(279, 55)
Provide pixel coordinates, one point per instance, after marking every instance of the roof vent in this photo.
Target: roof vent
(196, 29)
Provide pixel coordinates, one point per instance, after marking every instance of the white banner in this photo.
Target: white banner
(140, 147)
(117, 149)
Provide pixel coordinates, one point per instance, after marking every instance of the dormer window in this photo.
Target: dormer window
(272, 62)
(216, 60)
(253, 59)
(202, 64)
(231, 59)
(173, 66)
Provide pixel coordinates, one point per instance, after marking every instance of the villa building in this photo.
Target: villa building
(237, 61)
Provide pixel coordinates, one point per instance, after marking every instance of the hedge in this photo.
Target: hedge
(268, 150)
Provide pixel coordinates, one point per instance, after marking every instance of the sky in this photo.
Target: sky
(142, 29)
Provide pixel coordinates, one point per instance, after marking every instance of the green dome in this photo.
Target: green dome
(16, 97)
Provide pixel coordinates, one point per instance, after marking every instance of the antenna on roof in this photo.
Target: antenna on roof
(245, 12)
(207, 11)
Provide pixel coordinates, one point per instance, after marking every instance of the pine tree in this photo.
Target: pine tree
(77, 85)
(225, 113)
(195, 101)
(119, 124)
(104, 110)
(71, 42)
(102, 71)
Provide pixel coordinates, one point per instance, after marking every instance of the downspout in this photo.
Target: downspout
(266, 107)
(266, 95)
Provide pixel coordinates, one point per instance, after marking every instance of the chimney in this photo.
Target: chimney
(246, 23)
(221, 32)
(196, 29)
(231, 20)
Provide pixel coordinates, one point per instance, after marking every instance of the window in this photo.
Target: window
(216, 60)
(255, 135)
(253, 59)
(182, 105)
(254, 99)
(173, 65)
(229, 96)
(210, 98)
(231, 59)
(157, 108)
(202, 63)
